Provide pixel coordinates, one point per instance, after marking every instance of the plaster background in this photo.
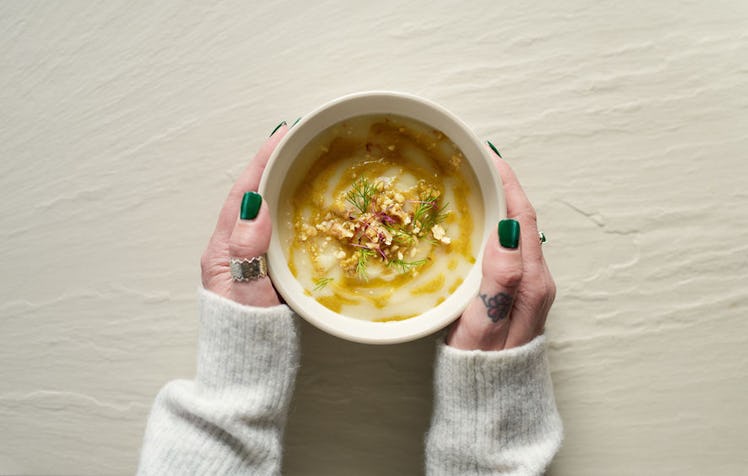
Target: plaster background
(124, 124)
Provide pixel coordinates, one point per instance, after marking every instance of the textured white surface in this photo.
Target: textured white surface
(123, 126)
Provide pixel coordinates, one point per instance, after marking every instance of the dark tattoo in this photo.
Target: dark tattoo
(497, 306)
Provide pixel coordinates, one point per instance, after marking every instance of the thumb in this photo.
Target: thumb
(502, 271)
(485, 323)
(250, 239)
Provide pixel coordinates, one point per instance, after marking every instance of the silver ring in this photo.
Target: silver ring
(541, 237)
(248, 269)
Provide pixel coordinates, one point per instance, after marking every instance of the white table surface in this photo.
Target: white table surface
(124, 124)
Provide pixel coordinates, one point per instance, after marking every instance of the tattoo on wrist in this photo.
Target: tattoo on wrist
(497, 306)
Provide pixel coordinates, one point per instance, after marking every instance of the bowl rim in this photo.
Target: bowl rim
(368, 103)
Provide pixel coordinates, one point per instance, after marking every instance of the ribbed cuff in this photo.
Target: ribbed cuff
(243, 345)
(490, 372)
(493, 409)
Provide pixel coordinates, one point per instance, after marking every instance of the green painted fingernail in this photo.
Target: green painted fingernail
(295, 122)
(250, 205)
(493, 148)
(509, 233)
(277, 127)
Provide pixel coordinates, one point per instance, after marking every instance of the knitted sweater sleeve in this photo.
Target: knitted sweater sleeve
(494, 412)
(230, 418)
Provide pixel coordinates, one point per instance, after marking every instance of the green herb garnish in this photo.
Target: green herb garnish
(360, 194)
(406, 266)
(400, 236)
(321, 283)
(428, 213)
(363, 257)
(382, 227)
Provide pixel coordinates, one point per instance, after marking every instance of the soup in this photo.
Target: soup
(383, 222)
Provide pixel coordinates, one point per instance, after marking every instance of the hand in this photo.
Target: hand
(517, 289)
(242, 238)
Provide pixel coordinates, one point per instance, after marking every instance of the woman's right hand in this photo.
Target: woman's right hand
(243, 231)
(517, 289)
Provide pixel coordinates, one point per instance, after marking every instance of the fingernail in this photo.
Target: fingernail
(493, 148)
(296, 121)
(509, 233)
(250, 205)
(277, 127)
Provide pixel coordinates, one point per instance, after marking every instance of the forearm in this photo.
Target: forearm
(230, 419)
(494, 412)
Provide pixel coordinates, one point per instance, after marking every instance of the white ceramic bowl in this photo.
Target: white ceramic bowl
(282, 160)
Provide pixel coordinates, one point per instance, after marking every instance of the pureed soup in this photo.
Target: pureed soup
(384, 219)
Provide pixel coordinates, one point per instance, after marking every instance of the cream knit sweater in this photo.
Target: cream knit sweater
(494, 412)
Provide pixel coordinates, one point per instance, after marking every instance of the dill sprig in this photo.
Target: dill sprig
(428, 213)
(406, 266)
(360, 194)
(401, 236)
(363, 261)
(378, 228)
(321, 283)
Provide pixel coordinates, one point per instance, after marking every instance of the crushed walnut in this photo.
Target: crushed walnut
(376, 221)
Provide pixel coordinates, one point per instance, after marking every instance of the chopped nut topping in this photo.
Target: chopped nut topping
(376, 221)
(440, 235)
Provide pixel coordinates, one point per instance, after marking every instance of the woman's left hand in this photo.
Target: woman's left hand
(242, 237)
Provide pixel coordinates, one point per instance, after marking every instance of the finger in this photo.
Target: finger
(249, 180)
(250, 238)
(485, 323)
(519, 207)
(531, 304)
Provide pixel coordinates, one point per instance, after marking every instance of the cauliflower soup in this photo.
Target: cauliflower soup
(381, 219)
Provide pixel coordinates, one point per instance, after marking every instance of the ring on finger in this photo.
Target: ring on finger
(248, 269)
(541, 237)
